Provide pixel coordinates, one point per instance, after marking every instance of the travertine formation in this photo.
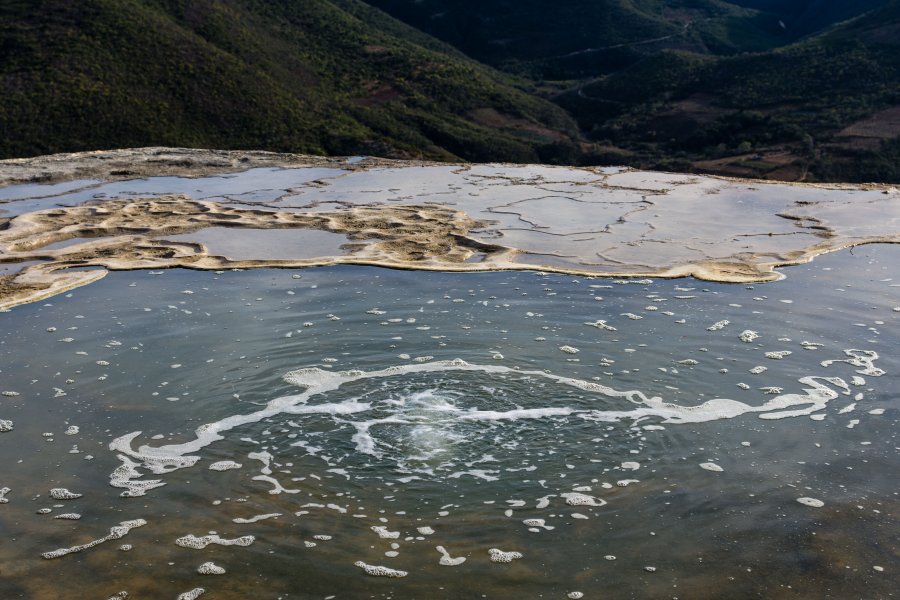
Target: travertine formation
(134, 163)
(66, 219)
(124, 234)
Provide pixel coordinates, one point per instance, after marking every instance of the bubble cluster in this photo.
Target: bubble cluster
(224, 465)
(812, 502)
(500, 556)
(210, 568)
(379, 571)
(63, 494)
(116, 532)
(199, 543)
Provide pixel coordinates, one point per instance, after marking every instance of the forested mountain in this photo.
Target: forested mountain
(791, 89)
(785, 89)
(802, 17)
(579, 38)
(827, 106)
(320, 76)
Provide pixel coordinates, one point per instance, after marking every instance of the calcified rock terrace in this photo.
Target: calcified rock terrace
(160, 208)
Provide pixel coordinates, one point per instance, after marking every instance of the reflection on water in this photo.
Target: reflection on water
(265, 244)
(610, 432)
(14, 267)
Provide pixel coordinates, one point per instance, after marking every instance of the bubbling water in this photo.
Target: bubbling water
(437, 418)
(382, 455)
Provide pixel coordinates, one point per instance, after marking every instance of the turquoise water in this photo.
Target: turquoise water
(474, 412)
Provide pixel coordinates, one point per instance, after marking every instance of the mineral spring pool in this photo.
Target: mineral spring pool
(356, 432)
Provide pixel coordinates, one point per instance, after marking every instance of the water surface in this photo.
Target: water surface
(564, 432)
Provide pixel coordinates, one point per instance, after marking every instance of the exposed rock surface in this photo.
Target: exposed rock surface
(410, 215)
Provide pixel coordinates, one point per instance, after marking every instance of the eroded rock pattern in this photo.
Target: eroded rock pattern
(409, 215)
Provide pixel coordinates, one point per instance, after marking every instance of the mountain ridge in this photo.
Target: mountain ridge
(748, 88)
(309, 77)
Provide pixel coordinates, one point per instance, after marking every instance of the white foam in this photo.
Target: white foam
(199, 543)
(544, 502)
(747, 336)
(579, 499)
(485, 474)
(3, 492)
(718, 325)
(569, 349)
(192, 594)
(265, 458)
(447, 560)
(499, 556)
(126, 476)
(601, 324)
(516, 414)
(711, 467)
(256, 518)
(538, 524)
(224, 465)
(335, 507)
(116, 532)
(384, 534)
(277, 488)
(63, 494)
(865, 359)
(210, 568)
(813, 502)
(379, 571)
(6, 425)
(316, 382)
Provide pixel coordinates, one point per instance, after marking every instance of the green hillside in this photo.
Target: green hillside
(765, 88)
(784, 89)
(579, 38)
(318, 76)
(820, 108)
(804, 17)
